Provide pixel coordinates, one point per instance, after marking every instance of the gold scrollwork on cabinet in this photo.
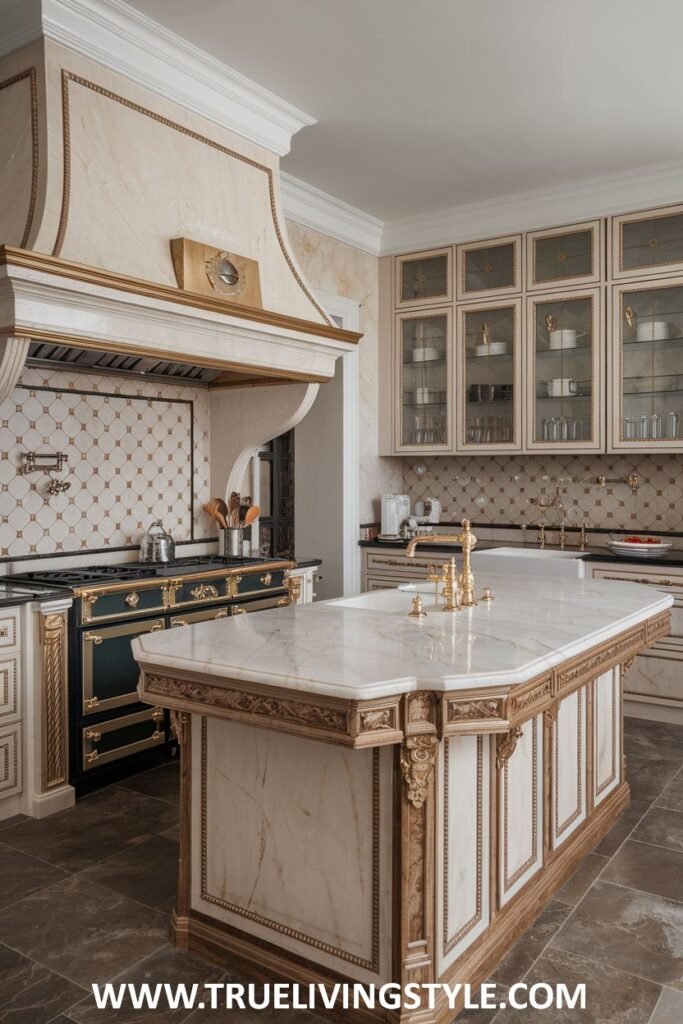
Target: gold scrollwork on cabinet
(505, 746)
(204, 590)
(54, 683)
(418, 756)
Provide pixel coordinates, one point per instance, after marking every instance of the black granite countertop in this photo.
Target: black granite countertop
(307, 563)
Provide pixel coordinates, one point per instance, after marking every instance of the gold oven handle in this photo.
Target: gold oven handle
(178, 622)
(92, 756)
(156, 627)
(91, 734)
(93, 638)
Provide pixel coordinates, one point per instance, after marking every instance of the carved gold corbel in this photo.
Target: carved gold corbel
(418, 757)
(505, 745)
(625, 665)
(180, 721)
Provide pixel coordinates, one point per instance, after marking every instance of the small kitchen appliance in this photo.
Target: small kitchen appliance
(157, 545)
(395, 510)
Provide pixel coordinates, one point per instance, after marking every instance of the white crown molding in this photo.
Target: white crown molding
(315, 209)
(119, 37)
(562, 204)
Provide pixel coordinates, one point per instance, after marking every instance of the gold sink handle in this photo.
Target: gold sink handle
(416, 610)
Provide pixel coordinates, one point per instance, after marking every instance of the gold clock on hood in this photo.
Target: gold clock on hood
(212, 271)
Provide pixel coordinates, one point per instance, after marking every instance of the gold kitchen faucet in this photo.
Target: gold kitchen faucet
(458, 590)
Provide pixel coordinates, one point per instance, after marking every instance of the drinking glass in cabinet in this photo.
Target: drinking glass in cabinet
(563, 370)
(651, 364)
(424, 374)
(488, 267)
(489, 348)
(561, 258)
(423, 278)
(650, 244)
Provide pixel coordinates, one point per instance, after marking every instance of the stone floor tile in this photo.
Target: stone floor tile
(14, 820)
(146, 872)
(97, 827)
(669, 1009)
(634, 932)
(162, 783)
(29, 993)
(621, 829)
(657, 740)
(612, 997)
(20, 875)
(166, 965)
(576, 887)
(532, 943)
(672, 795)
(647, 868)
(661, 827)
(83, 931)
(648, 778)
(482, 1016)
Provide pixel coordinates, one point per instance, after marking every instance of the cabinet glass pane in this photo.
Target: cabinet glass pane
(489, 376)
(561, 257)
(654, 242)
(563, 370)
(489, 268)
(652, 364)
(424, 380)
(424, 278)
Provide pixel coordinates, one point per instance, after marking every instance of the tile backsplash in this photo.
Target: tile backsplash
(497, 488)
(137, 451)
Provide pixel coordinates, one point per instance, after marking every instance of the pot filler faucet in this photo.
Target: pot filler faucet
(458, 590)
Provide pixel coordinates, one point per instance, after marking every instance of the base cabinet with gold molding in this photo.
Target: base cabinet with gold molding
(11, 762)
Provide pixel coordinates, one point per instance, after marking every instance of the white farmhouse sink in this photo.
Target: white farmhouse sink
(380, 600)
(530, 561)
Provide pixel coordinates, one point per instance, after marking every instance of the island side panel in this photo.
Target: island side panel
(521, 809)
(292, 845)
(569, 760)
(607, 734)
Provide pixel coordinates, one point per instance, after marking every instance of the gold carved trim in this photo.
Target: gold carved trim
(371, 965)
(418, 756)
(313, 715)
(505, 746)
(68, 76)
(474, 710)
(531, 699)
(509, 880)
(30, 73)
(54, 684)
(449, 943)
(606, 656)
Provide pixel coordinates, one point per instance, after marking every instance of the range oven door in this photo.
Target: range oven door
(259, 604)
(114, 738)
(109, 672)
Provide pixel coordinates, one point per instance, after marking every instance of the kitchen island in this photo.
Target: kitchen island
(378, 797)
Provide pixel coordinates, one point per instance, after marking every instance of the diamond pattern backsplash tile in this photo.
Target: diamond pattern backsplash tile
(130, 448)
(497, 488)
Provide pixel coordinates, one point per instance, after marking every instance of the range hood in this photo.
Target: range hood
(139, 238)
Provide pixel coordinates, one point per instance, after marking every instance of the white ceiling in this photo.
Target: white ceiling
(426, 104)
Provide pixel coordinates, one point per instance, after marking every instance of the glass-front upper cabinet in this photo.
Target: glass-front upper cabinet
(565, 407)
(647, 244)
(424, 278)
(646, 406)
(424, 374)
(488, 269)
(565, 257)
(489, 358)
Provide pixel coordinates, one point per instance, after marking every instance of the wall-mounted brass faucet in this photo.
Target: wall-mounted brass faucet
(632, 481)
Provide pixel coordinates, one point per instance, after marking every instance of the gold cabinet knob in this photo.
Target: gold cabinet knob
(133, 599)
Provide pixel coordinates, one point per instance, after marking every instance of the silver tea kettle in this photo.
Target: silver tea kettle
(157, 545)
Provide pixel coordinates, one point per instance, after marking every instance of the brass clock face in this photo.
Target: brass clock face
(227, 273)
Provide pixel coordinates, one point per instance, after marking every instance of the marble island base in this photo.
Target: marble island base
(414, 849)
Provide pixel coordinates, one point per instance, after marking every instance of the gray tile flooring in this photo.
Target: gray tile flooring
(85, 895)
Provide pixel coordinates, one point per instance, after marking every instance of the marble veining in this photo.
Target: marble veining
(341, 650)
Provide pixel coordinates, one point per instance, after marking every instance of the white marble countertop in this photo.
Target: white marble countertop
(367, 647)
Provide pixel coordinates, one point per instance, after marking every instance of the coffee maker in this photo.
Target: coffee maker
(395, 510)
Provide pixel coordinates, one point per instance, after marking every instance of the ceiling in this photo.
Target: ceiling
(431, 104)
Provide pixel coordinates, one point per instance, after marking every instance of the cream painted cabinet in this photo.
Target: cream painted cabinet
(653, 684)
(569, 745)
(424, 278)
(646, 359)
(489, 361)
(564, 371)
(11, 771)
(565, 257)
(489, 269)
(423, 366)
(647, 244)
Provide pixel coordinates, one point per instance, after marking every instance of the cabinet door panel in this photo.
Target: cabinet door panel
(564, 376)
(647, 244)
(463, 845)
(606, 734)
(489, 346)
(565, 257)
(489, 268)
(521, 811)
(568, 809)
(424, 369)
(424, 278)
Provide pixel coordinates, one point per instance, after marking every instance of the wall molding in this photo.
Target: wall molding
(320, 211)
(131, 44)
